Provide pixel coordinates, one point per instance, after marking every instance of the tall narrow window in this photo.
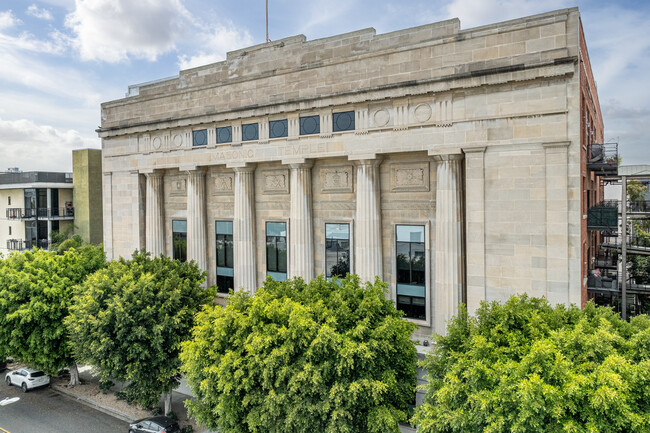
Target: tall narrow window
(179, 240)
(9, 201)
(225, 280)
(411, 279)
(9, 230)
(337, 250)
(276, 250)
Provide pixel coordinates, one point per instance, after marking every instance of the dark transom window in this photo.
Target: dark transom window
(278, 128)
(179, 240)
(337, 250)
(200, 137)
(343, 121)
(224, 134)
(225, 276)
(276, 250)
(309, 125)
(250, 131)
(411, 278)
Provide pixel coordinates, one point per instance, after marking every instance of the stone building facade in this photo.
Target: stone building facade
(446, 161)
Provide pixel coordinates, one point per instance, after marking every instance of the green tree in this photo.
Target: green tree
(328, 356)
(36, 290)
(129, 319)
(636, 191)
(527, 367)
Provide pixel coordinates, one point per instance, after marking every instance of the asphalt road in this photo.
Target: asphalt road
(44, 411)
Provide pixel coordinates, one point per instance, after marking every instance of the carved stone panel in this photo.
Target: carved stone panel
(336, 179)
(223, 183)
(409, 176)
(275, 182)
(178, 185)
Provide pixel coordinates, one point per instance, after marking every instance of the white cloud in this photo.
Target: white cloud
(215, 45)
(21, 140)
(473, 13)
(114, 30)
(37, 12)
(8, 20)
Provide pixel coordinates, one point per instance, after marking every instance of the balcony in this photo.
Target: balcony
(21, 245)
(55, 213)
(603, 217)
(602, 158)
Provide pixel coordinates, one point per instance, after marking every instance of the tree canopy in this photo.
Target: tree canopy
(527, 367)
(36, 289)
(328, 356)
(129, 319)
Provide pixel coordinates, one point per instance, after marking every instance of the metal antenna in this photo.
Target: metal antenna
(267, 21)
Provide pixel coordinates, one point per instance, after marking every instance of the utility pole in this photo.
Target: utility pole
(267, 21)
(624, 247)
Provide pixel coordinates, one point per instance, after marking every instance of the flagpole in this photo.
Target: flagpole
(267, 21)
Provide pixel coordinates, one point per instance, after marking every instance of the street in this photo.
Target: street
(44, 410)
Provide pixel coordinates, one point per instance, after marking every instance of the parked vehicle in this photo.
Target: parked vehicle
(27, 378)
(3, 365)
(155, 424)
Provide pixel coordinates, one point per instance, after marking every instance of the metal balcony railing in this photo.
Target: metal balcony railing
(602, 158)
(41, 213)
(603, 216)
(21, 245)
(638, 206)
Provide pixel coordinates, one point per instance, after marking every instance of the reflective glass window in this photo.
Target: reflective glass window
(200, 137)
(224, 242)
(410, 256)
(276, 250)
(179, 240)
(337, 250)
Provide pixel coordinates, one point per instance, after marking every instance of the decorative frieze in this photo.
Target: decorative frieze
(336, 179)
(275, 182)
(409, 176)
(401, 120)
(178, 186)
(422, 113)
(223, 183)
(380, 118)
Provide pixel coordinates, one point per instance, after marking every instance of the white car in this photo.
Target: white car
(27, 378)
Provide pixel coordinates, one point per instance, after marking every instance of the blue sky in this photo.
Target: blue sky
(59, 59)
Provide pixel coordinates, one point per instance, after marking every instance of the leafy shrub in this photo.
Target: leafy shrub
(325, 357)
(527, 367)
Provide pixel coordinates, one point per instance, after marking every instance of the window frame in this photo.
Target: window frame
(194, 134)
(216, 253)
(266, 253)
(428, 271)
(217, 136)
(350, 223)
(173, 255)
(272, 122)
(300, 125)
(245, 126)
(335, 116)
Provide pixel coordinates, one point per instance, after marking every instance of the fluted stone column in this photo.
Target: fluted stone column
(196, 228)
(155, 234)
(449, 250)
(244, 229)
(301, 235)
(368, 257)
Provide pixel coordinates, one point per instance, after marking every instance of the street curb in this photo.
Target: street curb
(88, 402)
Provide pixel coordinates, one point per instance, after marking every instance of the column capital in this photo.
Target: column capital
(196, 172)
(448, 157)
(153, 174)
(246, 168)
(368, 162)
(297, 164)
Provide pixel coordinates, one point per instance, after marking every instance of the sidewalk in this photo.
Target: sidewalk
(89, 394)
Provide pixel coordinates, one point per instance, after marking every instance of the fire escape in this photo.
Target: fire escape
(609, 282)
